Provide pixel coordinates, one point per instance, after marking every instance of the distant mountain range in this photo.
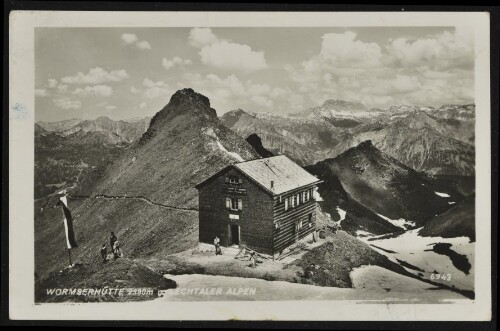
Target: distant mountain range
(68, 151)
(434, 140)
(127, 131)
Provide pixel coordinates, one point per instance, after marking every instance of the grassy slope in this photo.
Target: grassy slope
(455, 222)
(143, 230)
(122, 273)
(338, 257)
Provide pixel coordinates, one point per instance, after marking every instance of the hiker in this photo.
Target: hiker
(112, 240)
(104, 253)
(117, 252)
(218, 250)
(252, 258)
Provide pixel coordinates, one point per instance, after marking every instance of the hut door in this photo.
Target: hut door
(235, 234)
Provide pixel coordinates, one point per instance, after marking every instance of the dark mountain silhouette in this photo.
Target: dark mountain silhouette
(458, 221)
(381, 185)
(255, 141)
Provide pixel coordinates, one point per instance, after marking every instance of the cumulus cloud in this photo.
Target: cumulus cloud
(155, 90)
(97, 90)
(232, 56)
(176, 61)
(143, 44)
(96, 76)
(225, 54)
(134, 90)
(40, 92)
(199, 37)
(131, 39)
(143, 105)
(110, 107)
(440, 52)
(66, 103)
(344, 50)
(430, 70)
(224, 91)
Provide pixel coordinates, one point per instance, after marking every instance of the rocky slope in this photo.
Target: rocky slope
(383, 186)
(299, 138)
(456, 222)
(419, 141)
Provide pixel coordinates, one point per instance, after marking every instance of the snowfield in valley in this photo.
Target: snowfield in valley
(418, 252)
(373, 284)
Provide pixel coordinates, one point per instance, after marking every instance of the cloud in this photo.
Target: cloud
(199, 37)
(53, 85)
(176, 61)
(155, 89)
(131, 39)
(134, 90)
(143, 44)
(97, 90)
(225, 54)
(110, 107)
(66, 103)
(429, 70)
(232, 56)
(143, 105)
(96, 76)
(230, 90)
(343, 49)
(40, 92)
(440, 52)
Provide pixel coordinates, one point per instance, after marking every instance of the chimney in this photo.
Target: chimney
(272, 185)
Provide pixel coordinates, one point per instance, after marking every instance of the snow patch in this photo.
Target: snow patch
(451, 202)
(363, 233)
(342, 214)
(401, 223)
(210, 132)
(443, 195)
(417, 250)
(233, 154)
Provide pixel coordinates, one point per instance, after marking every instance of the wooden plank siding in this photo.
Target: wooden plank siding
(255, 218)
(285, 235)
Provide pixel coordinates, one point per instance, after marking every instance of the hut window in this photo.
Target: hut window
(234, 204)
(233, 180)
(277, 225)
(286, 203)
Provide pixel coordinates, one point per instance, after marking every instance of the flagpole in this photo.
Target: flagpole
(69, 255)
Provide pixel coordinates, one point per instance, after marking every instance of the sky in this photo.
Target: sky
(126, 73)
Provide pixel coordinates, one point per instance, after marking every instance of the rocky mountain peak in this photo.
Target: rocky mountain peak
(188, 96)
